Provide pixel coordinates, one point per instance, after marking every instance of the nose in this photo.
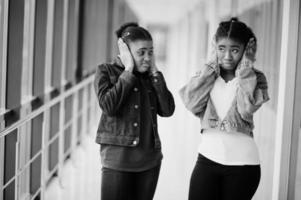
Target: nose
(228, 55)
(147, 57)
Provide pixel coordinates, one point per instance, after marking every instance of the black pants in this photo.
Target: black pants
(213, 181)
(118, 185)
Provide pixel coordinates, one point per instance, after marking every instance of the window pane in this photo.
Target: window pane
(39, 48)
(36, 134)
(10, 155)
(54, 120)
(67, 139)
(35, 175)
(68, 108)
(53, 154)
(57, 44)
(14, 53)
(72, 39)
(9, 191)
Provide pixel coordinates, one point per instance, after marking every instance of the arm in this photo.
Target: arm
(112, 95)
(195, 93)
(252, 91)
(252, 84)
(165, 101)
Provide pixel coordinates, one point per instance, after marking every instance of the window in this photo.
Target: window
(3, 49)
(39, 48)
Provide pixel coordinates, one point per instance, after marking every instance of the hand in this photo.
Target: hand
(153, 69)
(213, 60)
(248, 57)
(125, 56)
(250, 50)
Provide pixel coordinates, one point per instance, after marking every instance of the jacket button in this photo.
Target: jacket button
(136, 89)
(135, 124)
(155, 80)
(136, 106)
(134, 142)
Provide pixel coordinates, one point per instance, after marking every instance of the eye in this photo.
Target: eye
(235, 50)
(221, 49)
(151, 52)
(141, 53)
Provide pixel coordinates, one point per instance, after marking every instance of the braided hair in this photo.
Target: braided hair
(131, 32)
(235, 30)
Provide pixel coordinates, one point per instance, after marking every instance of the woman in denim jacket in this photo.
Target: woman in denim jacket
(131, 92)
(225, 94)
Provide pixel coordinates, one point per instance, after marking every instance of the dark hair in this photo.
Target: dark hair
(236, 30)
(131, 32)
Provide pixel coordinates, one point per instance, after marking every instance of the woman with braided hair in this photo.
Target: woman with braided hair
(131, 92)
(225, 95)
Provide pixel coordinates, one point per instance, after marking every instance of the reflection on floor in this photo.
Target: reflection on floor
(81, 175)
(179, 135)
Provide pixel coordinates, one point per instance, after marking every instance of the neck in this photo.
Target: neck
(227, 75)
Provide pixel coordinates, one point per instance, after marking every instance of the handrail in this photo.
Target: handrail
(47, 105)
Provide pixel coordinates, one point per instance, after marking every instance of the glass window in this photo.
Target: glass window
(14, 54)
(3, 49)
(72, 38)
(57, 44)
(39, 48)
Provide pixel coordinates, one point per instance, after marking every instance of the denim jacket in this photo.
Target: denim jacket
(251, 94)
(119, 98)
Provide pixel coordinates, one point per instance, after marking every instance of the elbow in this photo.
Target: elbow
(168, 112)
(246, 116)
(247, 113)
(108, 112)
(107, 108)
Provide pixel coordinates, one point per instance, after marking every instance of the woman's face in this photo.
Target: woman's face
(229, 53)
(142, 52)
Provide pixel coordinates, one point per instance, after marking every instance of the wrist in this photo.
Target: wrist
(129, 68)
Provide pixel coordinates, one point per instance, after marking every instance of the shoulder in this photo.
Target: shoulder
(109, 68)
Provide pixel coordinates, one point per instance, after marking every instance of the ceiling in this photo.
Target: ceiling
(160, 11)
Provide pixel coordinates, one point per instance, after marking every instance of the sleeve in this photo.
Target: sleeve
(110, 95)
(252, 92)
(165, 100)
(195, 94)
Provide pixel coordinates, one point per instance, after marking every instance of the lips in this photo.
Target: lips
(228, 63)
(145, 64)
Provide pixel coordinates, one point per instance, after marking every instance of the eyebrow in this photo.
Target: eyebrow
(144, 48)
(237, 46)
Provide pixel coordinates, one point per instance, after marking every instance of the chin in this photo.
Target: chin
(143, 69)
(228, 67)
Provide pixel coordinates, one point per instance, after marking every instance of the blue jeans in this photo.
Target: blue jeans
(120, 185)
(214, 181)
